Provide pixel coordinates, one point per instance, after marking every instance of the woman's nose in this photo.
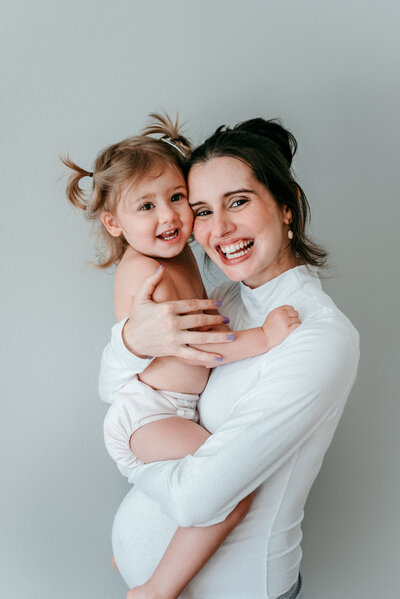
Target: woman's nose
(222, 226)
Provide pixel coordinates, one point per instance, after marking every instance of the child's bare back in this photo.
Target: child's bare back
(181, 280)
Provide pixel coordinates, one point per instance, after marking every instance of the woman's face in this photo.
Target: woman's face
(238, 222)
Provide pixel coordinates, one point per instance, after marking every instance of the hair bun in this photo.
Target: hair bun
(275, 132)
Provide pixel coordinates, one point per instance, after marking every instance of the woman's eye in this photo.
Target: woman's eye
(202, 212)
(147, 206)
(239, 202)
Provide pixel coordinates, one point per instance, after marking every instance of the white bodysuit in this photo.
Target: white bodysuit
(272, 417)
(135, 405)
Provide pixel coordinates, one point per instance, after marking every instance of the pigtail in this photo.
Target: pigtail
(75, 194)
(117, 166)
(170, 131)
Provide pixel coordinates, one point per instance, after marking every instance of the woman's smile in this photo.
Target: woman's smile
(238, 250)
(238, 222)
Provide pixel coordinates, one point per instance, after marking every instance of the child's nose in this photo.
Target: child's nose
(167, 214)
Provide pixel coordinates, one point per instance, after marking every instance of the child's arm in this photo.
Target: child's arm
(279, 323)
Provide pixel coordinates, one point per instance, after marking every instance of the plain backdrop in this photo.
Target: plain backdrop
(79, 75)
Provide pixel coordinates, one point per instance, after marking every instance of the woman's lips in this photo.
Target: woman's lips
(237, 251)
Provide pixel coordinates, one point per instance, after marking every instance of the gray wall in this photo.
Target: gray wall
(78, 75)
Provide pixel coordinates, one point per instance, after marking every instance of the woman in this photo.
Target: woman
(272, 417)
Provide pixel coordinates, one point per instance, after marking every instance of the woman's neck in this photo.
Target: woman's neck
(284, 263)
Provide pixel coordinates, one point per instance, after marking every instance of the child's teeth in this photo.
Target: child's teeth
(170, 235)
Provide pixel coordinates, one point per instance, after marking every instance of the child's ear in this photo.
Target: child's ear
(111, 223)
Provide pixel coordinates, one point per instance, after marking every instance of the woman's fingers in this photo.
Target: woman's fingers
(202, 338)
(196, 357)
(193, 305)
(195, 321)
(149, 284)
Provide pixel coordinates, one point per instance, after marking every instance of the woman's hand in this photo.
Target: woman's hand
(154, 330)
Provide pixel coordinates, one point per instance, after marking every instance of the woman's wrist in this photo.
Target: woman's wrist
(130, 341)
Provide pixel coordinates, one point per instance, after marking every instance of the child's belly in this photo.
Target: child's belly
(170, 374)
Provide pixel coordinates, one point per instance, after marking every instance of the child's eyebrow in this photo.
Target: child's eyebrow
(177, 187)
(148, 196)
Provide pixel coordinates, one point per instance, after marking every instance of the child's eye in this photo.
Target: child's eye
(176, 197)
(147, 206)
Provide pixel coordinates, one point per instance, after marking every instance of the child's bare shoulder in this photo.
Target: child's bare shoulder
(133, 269)
(131, 273)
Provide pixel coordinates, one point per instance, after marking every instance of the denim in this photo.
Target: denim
(295, 592)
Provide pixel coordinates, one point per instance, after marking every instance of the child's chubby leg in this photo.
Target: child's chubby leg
(190, 548)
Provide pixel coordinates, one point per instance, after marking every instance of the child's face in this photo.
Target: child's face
(154, 215)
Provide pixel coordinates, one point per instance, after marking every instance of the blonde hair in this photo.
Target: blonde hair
(121, 164)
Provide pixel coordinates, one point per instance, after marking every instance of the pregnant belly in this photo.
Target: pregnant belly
(141, 533)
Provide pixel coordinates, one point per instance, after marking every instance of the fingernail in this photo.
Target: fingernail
(218, 303)
(218, 359)
(159, 268)
(231, 337)
(225, 319)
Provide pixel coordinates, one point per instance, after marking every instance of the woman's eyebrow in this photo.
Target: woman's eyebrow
(230, 193)
(227, 195)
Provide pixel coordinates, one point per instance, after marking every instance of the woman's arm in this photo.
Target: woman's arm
(154, 330)
(118, 365)
(305, 383)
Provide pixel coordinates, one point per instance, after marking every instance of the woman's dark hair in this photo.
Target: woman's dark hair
(268, 149)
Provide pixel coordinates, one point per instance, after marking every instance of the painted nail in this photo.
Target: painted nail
(218, 359)
(225, 319)
(231, 337)
(218, 303)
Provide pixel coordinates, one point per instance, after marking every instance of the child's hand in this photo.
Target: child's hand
(279, 323)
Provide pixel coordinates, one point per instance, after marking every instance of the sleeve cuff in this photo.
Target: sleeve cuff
(129, 359)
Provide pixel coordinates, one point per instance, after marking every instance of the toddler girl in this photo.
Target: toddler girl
(139, 200)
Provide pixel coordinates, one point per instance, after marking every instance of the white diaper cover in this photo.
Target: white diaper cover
(138, 404)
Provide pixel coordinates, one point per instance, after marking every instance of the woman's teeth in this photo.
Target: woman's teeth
(236, 250)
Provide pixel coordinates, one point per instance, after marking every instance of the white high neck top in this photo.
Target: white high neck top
(272, 418)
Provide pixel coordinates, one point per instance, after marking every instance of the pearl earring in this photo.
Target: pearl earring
(290, 234)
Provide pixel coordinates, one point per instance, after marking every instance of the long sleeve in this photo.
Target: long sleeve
(303, 383)
(118, 365)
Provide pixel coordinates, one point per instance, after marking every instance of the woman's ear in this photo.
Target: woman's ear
(111, 223)
(287, 215)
